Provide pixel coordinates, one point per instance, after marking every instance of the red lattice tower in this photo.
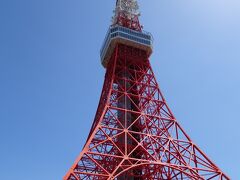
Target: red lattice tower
(135, 136)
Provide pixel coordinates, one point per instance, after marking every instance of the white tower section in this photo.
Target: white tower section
(128, 8)
(126, 30)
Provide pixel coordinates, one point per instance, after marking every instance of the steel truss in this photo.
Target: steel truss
(135, 136)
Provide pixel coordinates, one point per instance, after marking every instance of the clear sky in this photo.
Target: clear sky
(51, 78)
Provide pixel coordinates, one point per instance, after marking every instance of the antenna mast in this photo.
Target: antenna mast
(127, 14)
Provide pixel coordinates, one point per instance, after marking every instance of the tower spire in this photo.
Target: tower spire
(127, 14)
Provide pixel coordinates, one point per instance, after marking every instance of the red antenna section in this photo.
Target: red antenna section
(134, 135)
(126, 14)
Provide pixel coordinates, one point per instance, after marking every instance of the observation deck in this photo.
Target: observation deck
(119, 34)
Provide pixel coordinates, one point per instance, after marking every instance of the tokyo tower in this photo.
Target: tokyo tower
(134, 135)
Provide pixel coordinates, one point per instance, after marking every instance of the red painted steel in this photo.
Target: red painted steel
(135, 136)
(132, 24)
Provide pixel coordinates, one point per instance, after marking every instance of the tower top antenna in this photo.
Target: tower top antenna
(126, 11)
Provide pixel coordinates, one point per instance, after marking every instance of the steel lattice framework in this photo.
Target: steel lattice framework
(135, 136)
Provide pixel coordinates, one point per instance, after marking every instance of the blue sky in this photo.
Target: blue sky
(51, 77)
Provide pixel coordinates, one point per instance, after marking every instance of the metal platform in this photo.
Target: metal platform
(118, 34)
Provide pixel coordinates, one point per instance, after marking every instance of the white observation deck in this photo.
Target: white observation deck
(118, 34)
